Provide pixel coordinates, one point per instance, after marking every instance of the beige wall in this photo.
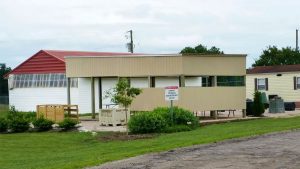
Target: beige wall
(131, 66)
(280, 85)
(194, 98)
(123, 66)
(214, 65)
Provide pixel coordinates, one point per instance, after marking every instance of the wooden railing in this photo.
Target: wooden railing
(57, 112)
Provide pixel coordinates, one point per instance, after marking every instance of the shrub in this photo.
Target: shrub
(68, 124)
(31, 116)
(258, 106)
(17, 121)
(162, 120)
(165, 113)
(180, 116)
(185, 117)
(13, 113)
(42, 124)
(18, 124)
(147, 122)
(3, 125)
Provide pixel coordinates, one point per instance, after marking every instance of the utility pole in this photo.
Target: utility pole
(297, 47)
(130, 45)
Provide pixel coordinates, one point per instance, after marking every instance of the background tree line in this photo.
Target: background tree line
(269, 57)
(3, 81)
(275, 56)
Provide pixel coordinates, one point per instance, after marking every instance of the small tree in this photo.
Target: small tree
(258, 106)
(122, 94)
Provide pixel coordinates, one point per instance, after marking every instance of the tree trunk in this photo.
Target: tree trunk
(126, 120)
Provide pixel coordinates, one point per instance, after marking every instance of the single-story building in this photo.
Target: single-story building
(282, 80)
(206, 82)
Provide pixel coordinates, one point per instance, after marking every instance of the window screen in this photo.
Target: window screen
(42, 80)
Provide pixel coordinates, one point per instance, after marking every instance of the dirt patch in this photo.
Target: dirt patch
(119, 136)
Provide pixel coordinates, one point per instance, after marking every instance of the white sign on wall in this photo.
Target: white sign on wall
(171, 93)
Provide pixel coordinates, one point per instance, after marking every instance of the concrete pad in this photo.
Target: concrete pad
(95, 126)
(285, 114)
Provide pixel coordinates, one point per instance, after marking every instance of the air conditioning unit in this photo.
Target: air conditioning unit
(113, 117)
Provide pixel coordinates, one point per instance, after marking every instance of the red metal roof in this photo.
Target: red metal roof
(61, 54)
(274, 69)
(53, 61)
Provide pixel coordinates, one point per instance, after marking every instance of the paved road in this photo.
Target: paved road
(280, 150)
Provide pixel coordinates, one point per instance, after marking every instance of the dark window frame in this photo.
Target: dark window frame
(231, 81)
(261, 86)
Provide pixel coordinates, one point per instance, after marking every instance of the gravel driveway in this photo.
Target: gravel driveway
(271, 151)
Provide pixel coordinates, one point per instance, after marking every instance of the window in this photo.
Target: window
(298, 82)
(74, 82)
(230, 81)
(208, 81)
(204, 81)
(42, 80)
(61, 81)
(261, 84)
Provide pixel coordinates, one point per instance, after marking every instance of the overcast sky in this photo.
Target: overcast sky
(160, 26)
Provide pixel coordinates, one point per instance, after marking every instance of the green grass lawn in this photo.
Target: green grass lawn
(77, 150)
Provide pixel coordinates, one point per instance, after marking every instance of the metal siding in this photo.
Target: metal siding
(156, 66)
(280, 85)
(214, 65)
(166, 81)
(41, 63)
(84, 90)
(107, 84)
(139, 82)
(193, 81)
(26, 99)
(124, 66)
(193, 98)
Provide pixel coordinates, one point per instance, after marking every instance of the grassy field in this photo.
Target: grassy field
(77, 150)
